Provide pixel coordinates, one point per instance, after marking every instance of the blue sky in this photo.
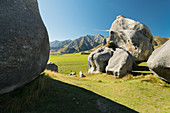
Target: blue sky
(70, 19)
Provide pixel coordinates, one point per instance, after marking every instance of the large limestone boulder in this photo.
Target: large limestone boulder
(24, 44)
(120, 63)
(132, 36)
(98, 60)
(122, 23)
(159, 61)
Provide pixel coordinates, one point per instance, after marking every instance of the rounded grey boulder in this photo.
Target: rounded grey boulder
(120, 63)
(132, 36)
(52, 66)
(24, 43)
(123, 23)
(159, 61)
(98, 59)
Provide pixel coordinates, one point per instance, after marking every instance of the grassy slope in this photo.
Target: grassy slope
(57, 97)
(98, 93)
(142, 94)
(115, 94)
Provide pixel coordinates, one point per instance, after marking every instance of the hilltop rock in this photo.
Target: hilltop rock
(52, 66)
(98, 60)
(132, 36)
(120, 63)
(24, 43)
(159, 62)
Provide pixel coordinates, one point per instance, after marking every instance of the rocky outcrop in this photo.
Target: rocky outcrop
(159, 62)
(98, 60)
(129, 42)
(24, 44)
(132, 36)
(52, 66)
(120, 63)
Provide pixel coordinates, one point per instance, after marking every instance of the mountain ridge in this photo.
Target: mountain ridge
(82, 43)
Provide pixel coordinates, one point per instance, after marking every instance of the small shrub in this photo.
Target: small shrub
(155, 80)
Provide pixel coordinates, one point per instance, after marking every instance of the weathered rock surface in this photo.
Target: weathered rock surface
(132, 36)
(130, 42)
(52, 66)
(98, 60)
(24, 44)
(120, 63)
(159, 61)
(122, 23)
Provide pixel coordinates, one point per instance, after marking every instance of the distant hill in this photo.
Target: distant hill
(158, 41)
(81, 44)
(90, 43)
(56, 45)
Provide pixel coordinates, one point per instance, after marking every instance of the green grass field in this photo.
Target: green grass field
(76, 62)
(96, 93)
(147, 94)
(70, 62)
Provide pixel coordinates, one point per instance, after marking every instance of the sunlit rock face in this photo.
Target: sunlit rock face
(120, 63)
(132, 36)
(98, 59)
(24, 43)
(159, 61)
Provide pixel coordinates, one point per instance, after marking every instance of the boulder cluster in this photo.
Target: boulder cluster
(129, 42)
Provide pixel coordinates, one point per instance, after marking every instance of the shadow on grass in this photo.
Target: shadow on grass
(138, 70)
(59, 97)
(139, 73)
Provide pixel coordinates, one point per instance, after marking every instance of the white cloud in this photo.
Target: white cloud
(103, 30)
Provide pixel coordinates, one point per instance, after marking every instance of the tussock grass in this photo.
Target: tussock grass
(155, 80)
(14, 101)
